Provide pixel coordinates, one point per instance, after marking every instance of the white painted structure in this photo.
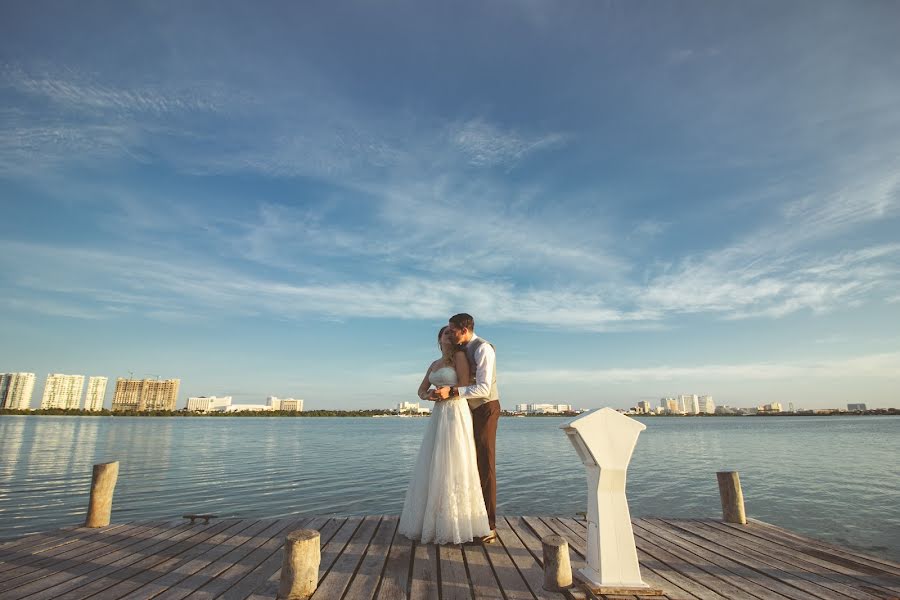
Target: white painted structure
(605, 441)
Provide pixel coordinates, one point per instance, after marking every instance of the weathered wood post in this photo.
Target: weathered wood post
(300, 567)
(103, 483)
(732, 497)
(557, 569)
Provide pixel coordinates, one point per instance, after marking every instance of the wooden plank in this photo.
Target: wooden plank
(194, 560)
(454, 578)
(397, 570)
(424, 582)
(834, 570)
(239, 569)
(745, 565)
(874, 576)
(742, 578)
(877, 562)
(338, 578)
(335, 546)
(799, 574)
(133, 566)
(267, 568)
(151, 571)
(72, 556)
(511, 581)
(217, 560)
(35, 542)
(78, 543)
(653, 572)
(55, 585)
(677, 564)
(192, 586)
(532, 572)
(269, 589)
(484, 582)
(365, 582)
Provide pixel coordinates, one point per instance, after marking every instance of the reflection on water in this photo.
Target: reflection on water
(836, 478)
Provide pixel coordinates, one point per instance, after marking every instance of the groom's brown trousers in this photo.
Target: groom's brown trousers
(484, 423)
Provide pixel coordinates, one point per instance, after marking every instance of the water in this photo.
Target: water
(836, 478)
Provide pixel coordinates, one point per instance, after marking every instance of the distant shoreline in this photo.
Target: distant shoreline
(387, 413)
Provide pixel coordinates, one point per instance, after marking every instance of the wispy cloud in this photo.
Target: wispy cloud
(78, 92)
(885, 365)
(485, 145)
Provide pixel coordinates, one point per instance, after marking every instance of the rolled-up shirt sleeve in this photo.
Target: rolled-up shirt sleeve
(485, 363)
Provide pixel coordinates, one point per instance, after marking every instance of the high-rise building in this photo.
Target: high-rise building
(643, 407)
(689, 404)
(4, 387)
(856, 407)
(96, 393)
(16, 390)
(670, 406)
(62, 391)
(145, 394)
(707, 406)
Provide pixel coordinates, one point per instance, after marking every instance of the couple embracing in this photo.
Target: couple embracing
(452, 497)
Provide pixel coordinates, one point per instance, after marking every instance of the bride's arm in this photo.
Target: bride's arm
(461, 364)
(423, 387)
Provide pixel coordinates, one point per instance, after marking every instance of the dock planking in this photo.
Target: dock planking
(366, 558)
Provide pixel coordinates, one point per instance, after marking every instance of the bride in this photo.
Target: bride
(444, 503)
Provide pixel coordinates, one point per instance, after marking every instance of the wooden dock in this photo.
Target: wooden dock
(365, 558)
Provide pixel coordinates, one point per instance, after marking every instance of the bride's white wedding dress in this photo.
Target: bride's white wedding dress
(444, 504)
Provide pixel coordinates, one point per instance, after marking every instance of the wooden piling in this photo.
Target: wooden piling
(557, 569)
(103, 484)
(300, 567)
(732, 497)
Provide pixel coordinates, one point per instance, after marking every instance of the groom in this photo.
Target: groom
(484, 401)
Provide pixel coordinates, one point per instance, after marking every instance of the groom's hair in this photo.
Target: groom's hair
(463, 320)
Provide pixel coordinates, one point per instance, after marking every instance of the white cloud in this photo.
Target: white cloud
(885, 365)
(485, 145)
(79, 92)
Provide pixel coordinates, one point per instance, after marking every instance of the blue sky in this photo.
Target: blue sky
(634, 199)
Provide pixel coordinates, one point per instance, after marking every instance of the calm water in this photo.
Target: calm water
(836, 478)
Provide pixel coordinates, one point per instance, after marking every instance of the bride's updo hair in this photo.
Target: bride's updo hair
(447, 355)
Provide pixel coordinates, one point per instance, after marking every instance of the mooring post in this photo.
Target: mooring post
(557, 569)
(103, 484)
(732, 497)
(300, 567)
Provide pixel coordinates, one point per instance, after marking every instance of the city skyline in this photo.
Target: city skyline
(631, 199)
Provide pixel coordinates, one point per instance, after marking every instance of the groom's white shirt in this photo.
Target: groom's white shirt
(485, 363)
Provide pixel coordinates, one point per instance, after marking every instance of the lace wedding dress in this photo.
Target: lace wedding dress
(444, 504)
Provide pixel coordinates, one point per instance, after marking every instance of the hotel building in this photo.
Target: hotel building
(16, 390)
(62, 391)
(96, 393)
(294, 404)
(145, 394)
(208, 404)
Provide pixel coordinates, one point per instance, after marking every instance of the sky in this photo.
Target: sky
(633, 199)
